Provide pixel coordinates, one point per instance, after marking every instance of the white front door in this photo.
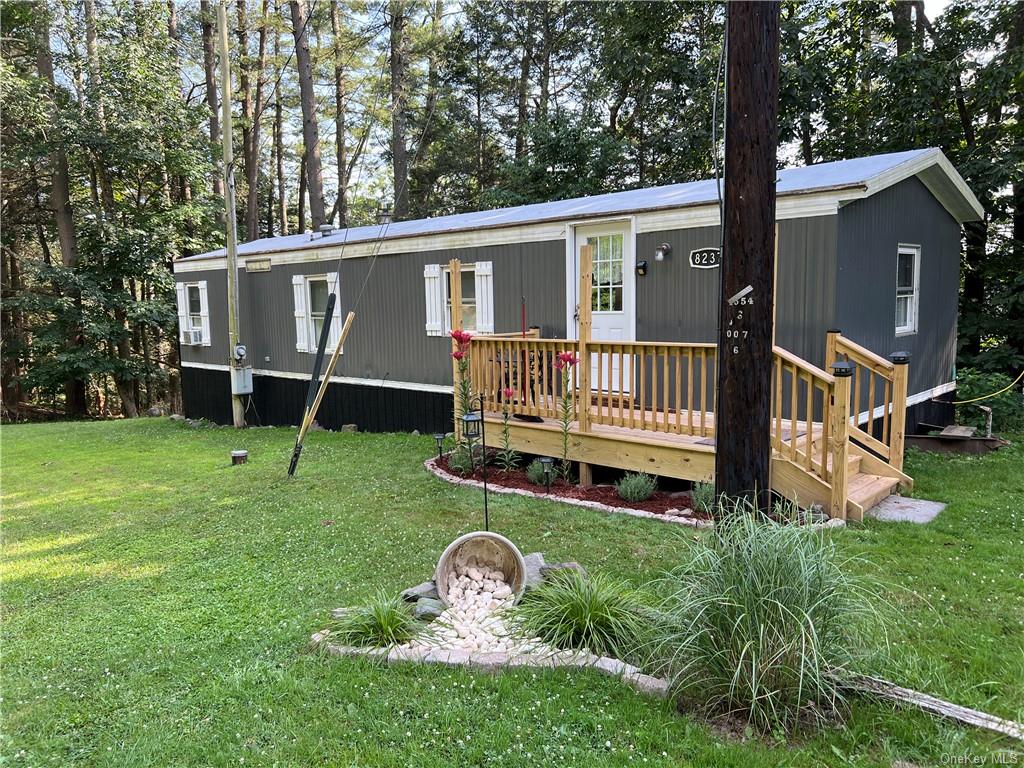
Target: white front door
(612, 293)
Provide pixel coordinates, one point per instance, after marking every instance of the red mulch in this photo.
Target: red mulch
(605, 494)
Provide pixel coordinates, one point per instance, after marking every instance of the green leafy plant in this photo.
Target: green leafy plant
(763, 620)
(636, 486)
(703, 498)
(535, 472)
(506, 458)
(382, 621)
(1007, 407)
(461, 460)
(571, 610)
(566, 412)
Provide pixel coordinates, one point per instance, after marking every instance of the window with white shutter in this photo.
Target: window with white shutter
(484, 297)
(204, 314)
(332, 287)
(183, 327)
(299, 297)
(434, 285)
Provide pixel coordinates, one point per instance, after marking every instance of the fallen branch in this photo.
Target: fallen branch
(873, 686)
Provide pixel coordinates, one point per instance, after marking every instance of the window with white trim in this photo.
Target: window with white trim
(467, 309)
(193, 314)
(908, 276)
(311, 293)
(476, 308)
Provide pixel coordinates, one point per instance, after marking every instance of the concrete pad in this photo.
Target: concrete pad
(900, 509)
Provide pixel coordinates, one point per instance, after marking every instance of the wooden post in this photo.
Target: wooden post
(839, 429)
(743, 418)
(455, 295)
(583, 344)
(898, 425)
(831, 340)
(231, 250)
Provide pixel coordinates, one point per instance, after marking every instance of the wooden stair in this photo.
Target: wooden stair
(866, 490)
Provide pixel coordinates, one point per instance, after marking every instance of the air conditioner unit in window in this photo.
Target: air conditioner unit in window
(192, 336)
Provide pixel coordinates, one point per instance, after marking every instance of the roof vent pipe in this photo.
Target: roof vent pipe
(326, 230)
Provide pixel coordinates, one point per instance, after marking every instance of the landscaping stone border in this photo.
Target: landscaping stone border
(647, 685)
(431, 465)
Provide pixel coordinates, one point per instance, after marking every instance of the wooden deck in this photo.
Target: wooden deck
(651, 407)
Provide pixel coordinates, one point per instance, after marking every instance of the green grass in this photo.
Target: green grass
(157, 606)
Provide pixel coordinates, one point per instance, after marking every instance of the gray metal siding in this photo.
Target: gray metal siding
(870, 231)
(216, 291)
(676, 302)
(388, 339)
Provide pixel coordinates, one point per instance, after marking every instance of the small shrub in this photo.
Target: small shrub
(636, 486)
(761, 620)
(460, 460)
(1007, 408)
(535, 472)
(574, 611)
(507, 459)
(703, 498)
(382, 621)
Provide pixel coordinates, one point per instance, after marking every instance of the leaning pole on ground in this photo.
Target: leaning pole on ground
(743, 419)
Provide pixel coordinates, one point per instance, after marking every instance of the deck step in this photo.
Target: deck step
(865, 491)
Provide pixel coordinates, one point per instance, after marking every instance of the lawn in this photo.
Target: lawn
(157, 605)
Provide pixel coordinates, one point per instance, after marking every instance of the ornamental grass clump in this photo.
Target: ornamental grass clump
(384, 620)
(764, 621)
(636, 486)
(574, 611)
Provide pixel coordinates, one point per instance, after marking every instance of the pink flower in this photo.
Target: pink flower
(566, 359)
(508, 392)
(461, 337)
(458, 354)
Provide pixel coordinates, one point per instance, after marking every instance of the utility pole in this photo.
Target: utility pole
(743, 420)
(234, 358)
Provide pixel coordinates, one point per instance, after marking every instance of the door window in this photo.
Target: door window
(606, 281)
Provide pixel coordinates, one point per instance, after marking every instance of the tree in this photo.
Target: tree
(399, 104)
(310, 131)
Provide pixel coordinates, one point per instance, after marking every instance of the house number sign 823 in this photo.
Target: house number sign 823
(706, 258)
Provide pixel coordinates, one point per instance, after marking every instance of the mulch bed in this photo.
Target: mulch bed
(604, 494)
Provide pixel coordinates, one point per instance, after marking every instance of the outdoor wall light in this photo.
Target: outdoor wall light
(662, 252)
(547, 463)
(641, 267)
(439, 438)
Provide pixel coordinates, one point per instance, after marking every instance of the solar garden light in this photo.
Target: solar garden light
(439, 438)
(472, 428)
(548, 463)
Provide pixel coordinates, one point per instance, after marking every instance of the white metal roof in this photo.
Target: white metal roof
(850, 179)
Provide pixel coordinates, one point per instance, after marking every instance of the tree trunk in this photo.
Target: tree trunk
(252, 111)
(282, 192)
(341, 114)
(75, 404)
(302, 195)
(310, 135)
(901, 26)
(13, 330)
(545, 63)
(210, 70)
(523, 89)
(245, 97)
(399, 141)
(95, 80)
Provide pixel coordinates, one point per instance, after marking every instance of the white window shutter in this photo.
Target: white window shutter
(182, 293)
(204, 313)
(299, 291)
(484, 297)
(332, 287)
(434, 286)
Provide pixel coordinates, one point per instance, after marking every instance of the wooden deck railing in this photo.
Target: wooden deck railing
(654, 386)
(526, 366)
(801, 404)
(876, 384)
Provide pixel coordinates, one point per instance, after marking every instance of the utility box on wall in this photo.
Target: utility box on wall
(241, 380)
